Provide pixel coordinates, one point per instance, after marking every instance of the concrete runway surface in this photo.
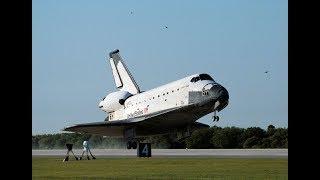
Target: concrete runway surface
(172, 152)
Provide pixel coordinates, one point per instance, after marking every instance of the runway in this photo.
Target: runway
(173, 152)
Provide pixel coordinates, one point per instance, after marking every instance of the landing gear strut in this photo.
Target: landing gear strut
(132, 144)
(129, 135)
(215, 117)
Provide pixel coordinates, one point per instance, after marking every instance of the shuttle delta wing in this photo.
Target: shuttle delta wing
(112, 128)
(104, 128)
(156, 123)
(121, 74)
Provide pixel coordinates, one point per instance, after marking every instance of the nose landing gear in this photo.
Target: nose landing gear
(215, 117)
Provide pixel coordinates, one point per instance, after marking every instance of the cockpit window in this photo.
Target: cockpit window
(205, 77)
(195, 79)
(201, 77)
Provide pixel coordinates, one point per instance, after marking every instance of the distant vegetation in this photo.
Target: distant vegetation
(213, 137)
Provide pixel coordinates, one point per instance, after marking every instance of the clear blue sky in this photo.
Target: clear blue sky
(233, 41)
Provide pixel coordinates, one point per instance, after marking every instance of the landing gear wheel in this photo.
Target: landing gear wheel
(134, 145)
(129, 145)
(216, 118)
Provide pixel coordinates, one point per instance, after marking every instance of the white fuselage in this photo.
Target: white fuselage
(174, 94)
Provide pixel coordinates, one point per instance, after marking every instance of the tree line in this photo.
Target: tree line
(208, 138)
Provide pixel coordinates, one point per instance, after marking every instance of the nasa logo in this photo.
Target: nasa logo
(136, 113)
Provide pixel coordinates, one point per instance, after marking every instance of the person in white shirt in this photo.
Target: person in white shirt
(86, 149)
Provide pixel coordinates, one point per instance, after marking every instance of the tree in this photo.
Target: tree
(266, 142)
(35, 144)
(95, 141)
(219, 139)
(214, 137)
(270, 131)
(199, 139)
(279, 138)
(60, 143)
(227, 137)
(159, 142)
(252, 142)
(46, 143)
(252, 132)
(286, 144)
(233, 137)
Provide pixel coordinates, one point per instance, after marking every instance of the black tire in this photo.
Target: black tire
(217, 118)
(134, 145)
(129, 145)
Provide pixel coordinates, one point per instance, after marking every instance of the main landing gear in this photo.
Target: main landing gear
(215, 117)
(132, 144)
(130, 135)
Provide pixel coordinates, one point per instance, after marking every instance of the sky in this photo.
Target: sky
(233, 41)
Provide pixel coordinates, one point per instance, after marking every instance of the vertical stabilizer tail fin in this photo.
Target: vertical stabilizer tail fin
(121, 74)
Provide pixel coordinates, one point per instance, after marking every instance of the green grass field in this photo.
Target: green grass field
(160, 168)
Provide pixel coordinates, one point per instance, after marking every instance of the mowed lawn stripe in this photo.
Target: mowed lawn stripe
(161, 168)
